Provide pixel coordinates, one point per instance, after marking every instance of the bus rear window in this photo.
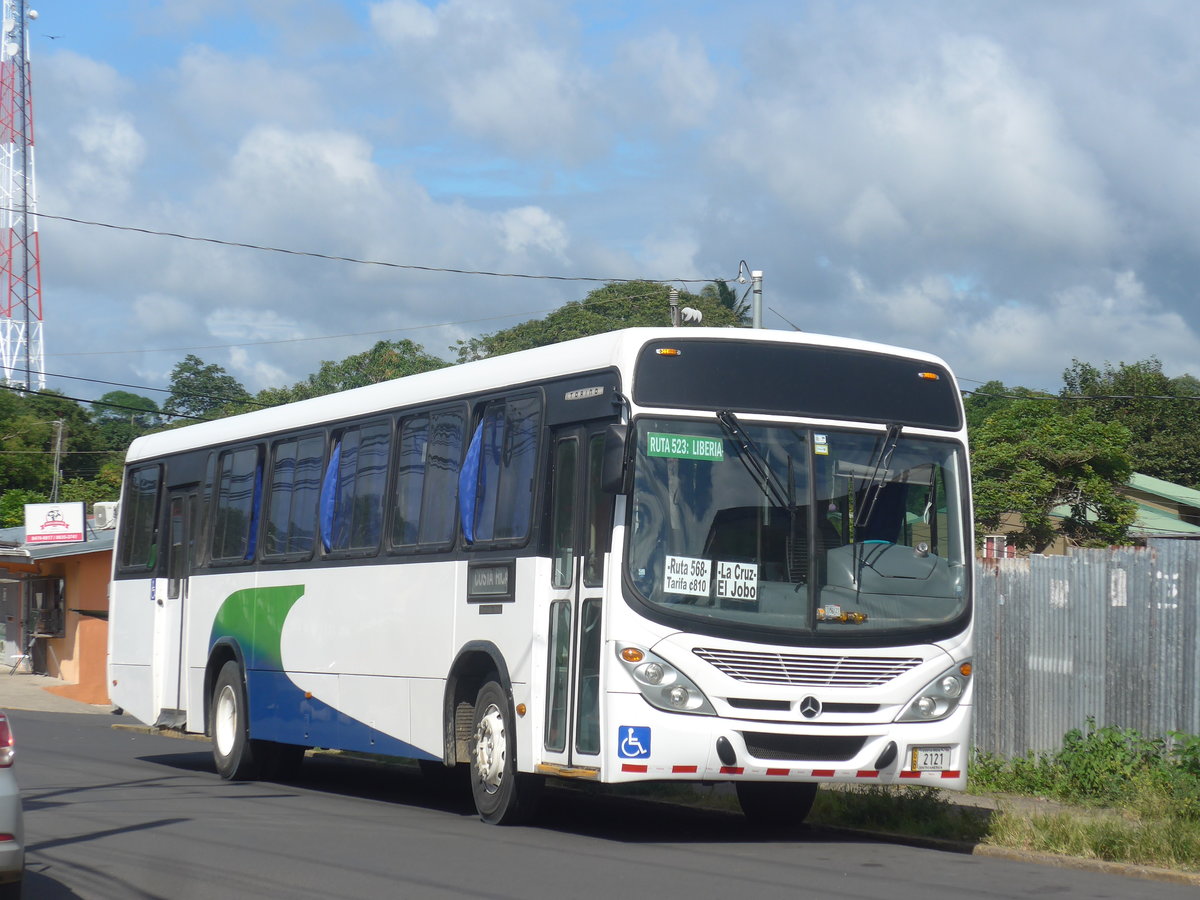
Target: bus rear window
(139, 518)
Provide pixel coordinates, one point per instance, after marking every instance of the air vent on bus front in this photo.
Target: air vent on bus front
(806, 669)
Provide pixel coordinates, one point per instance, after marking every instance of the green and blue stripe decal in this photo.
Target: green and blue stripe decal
(280, 711)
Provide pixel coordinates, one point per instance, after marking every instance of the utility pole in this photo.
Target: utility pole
(58, 452)
(756, 285)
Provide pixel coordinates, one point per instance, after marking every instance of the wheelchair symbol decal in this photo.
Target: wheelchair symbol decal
(634, 742)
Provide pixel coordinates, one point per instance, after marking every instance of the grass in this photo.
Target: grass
(1109, 794)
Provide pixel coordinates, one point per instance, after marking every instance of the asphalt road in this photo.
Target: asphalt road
(115, 814)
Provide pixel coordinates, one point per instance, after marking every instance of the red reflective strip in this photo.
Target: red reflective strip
(951, 774)
(630, 767)
(5, 838)
(867, 773)
(680, 770)
(823, 773)
(907, 774)
(778, 771)
(732, 770)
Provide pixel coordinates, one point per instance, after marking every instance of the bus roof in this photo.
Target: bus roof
(614, 349)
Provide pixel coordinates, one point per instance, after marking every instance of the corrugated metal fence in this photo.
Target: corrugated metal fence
(1110, 634)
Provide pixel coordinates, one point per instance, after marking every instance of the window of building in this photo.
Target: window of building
(996, 546)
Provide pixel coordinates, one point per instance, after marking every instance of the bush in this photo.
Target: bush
(1105, 765)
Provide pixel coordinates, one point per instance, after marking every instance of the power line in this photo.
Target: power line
(20, 390)
(588, 301)
(365, 262)
(331, 337)
(1082, 397)
(324, 337)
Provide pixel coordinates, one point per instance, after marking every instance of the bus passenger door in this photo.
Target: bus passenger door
(171, 612)
(581, 522)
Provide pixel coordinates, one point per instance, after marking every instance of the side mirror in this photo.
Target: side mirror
(614, 476)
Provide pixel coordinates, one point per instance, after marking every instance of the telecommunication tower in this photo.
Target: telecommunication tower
(22, 360)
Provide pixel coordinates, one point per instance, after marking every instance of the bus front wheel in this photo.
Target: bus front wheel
(233, 751)
(503, 796)
(780, 806)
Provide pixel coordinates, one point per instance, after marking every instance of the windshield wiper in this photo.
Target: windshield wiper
(755, 462)
(875, 487)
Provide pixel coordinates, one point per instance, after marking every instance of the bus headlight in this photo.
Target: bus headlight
(940, 697)
(663, 685)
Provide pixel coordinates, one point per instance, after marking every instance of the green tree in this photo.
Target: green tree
(985, 400)
(618, 305)
(1060, 468)
(122, 416)
(383, 362)
(12, 506)
(720, 292)
(203, 390)
(1160, 413)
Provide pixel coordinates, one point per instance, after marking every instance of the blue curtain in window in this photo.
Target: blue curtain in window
(468, 480)
(329, 496)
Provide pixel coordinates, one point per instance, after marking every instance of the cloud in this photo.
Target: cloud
(954, 148)
(530, 227)
(401, 21)
(110, 150)
(667, 77)
(500, 74)
(1008, 186)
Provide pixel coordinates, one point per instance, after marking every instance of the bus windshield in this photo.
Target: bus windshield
(780, 527)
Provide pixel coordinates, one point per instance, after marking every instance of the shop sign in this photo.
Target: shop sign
(55, 523)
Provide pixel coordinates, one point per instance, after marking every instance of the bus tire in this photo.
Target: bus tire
(503, 796)
(776, 805)
(229, 726)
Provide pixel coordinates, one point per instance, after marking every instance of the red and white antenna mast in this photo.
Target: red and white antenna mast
(22, 360)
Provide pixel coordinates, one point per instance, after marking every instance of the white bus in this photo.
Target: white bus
(715, 555)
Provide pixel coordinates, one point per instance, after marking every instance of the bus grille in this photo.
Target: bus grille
(802, 747)
(814, 671)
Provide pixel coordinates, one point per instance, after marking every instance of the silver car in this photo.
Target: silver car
(12, 826)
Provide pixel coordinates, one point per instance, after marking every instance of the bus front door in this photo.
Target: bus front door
(581, 522)
(171, 613)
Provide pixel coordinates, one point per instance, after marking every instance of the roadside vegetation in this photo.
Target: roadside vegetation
(1109, 794)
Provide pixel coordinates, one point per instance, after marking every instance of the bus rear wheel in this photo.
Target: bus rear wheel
(503, 796)
(776, 805)
(229, 726)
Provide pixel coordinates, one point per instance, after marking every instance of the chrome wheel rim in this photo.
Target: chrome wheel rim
(225, 720)
(490, 749)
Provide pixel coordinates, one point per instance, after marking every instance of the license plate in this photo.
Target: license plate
(930, 759)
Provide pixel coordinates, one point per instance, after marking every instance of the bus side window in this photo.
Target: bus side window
(239, 497)
(411, 451)
(496, 486)
(139, 518)
(443, 458)
(352, 493)
(291, 518)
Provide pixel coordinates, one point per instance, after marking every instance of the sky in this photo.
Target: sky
(1011, 186)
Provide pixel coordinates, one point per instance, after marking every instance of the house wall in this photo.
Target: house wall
(82, 652)
(80, 656)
